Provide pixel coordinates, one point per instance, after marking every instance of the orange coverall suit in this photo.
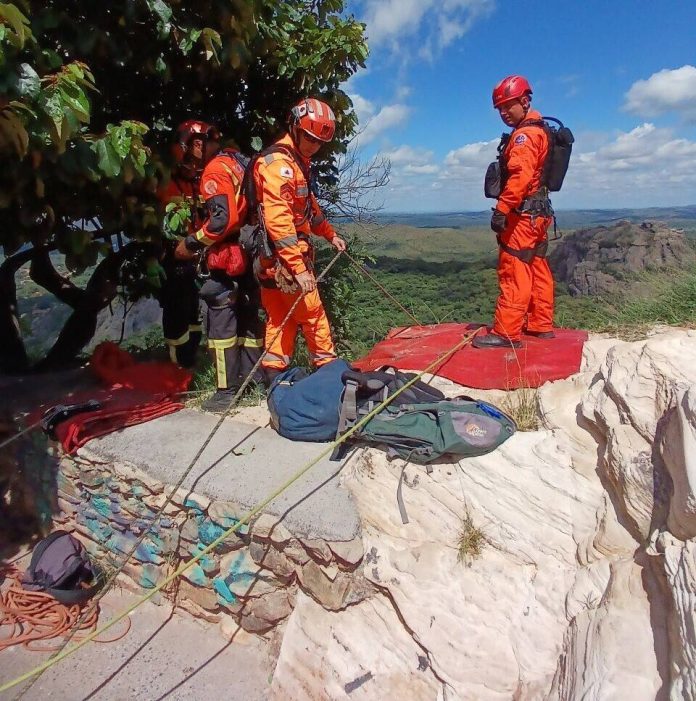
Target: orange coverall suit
(526, 289)
(178, 296)
(291, 214)
(235, 331)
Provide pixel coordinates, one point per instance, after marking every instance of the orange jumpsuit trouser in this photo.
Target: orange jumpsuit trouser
(309, 315)
(526, 289)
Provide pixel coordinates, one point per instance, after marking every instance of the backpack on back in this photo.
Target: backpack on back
(420, 425)
(60, 567)
(257, 244)
(561, 141)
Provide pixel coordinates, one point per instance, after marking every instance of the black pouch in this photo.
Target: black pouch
(493, 182)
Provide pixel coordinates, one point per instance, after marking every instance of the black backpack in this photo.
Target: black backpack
(60, 567)
(561, 141)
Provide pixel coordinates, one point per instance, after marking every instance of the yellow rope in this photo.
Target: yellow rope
(244, 520)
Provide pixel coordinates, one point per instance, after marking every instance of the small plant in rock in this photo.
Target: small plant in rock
(523, 406)
(471, 541)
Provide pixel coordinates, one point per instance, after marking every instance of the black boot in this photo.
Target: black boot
(492, 340)
(539, 334)
(270, 374)
(220, 402)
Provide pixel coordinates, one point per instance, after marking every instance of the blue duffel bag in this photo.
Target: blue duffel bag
(306, 407)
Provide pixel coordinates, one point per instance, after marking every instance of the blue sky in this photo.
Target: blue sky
(620, 73)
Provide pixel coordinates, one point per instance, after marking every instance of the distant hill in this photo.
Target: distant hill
(567, 219)
(606, 259)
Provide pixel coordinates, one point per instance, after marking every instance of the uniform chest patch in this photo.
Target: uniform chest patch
(210, 187)
(286, 172)
(520, 139)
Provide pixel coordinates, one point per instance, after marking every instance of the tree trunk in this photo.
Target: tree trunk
(82, 323)
(13, 355)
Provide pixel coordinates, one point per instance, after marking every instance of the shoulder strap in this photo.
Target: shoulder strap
(74, 596)
(292, 153)
(249, 185)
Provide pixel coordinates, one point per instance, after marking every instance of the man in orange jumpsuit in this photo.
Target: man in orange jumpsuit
(521, 219)
(289, 212)
(235, 331)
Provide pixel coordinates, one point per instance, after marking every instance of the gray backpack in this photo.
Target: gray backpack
(60, 567)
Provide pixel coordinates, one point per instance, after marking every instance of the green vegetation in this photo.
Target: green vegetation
(464, 288)
(87, 118)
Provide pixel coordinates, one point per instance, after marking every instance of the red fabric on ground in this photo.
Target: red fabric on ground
(121, 407)
(114, 366)
(136, 392)
(538, 361)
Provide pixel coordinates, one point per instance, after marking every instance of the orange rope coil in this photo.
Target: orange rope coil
(32, 616)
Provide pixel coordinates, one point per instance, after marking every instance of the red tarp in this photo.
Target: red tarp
(135, 392)
(538, 361)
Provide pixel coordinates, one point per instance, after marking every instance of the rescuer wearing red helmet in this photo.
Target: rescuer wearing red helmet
(521, 219)
(234, 329)
(178, 294)
(289, 212)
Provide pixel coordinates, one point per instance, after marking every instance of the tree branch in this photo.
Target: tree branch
(44, 274)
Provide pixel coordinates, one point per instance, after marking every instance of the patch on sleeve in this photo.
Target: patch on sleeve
(520, 139)
(286, 172)
(210, 187)
(286, 192)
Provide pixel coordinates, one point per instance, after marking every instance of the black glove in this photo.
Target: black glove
(498, 221)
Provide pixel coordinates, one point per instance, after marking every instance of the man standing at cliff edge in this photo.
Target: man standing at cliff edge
(521, 219)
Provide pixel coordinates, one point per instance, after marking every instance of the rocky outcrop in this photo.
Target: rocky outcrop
(596, 261)
(585, 588)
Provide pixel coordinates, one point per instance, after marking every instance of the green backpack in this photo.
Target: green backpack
(420, 425)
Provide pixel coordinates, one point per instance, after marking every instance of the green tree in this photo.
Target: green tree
(89, 95)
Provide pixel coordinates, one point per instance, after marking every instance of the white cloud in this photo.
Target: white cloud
(388, 117)
(472, 155)
(363, 108)
(664, 91)
(408, 155)
(438, 22)
(646, 166)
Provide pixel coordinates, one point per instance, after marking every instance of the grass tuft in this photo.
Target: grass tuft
(471, 541)
(523, 406)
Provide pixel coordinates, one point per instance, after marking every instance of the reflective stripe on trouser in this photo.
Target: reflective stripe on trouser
(309, 315)
(526, 289)
(234, 328)
(181, 319)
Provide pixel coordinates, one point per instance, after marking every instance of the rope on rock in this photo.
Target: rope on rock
(65, 652)
(153, 519)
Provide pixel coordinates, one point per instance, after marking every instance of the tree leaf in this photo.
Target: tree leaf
(164, 15)
(109, 162)
(17, 21)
